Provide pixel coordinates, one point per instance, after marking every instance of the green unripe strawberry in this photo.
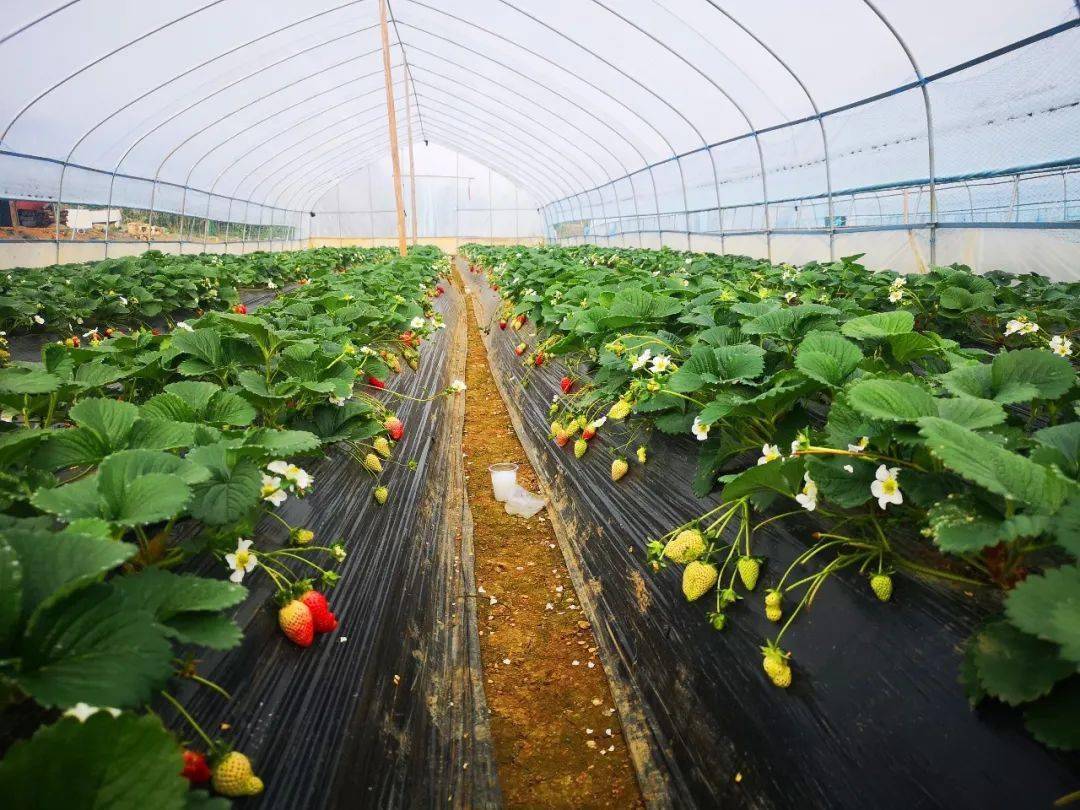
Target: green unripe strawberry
(381, 494)
(776, 666)
(718, 620)
(773, 614)
(372, 463)
(881, 585)
(382, 447)
(233, 776)
(772, 598)
(686, 547)
(580, 446)
(749, 569)
(619, 468)
(620, 410)
(727, 597)
(642, 455)
(698, 578)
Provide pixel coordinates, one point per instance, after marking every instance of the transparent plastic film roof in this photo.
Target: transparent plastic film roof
(917, 132)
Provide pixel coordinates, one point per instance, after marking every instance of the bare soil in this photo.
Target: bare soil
(556, 734)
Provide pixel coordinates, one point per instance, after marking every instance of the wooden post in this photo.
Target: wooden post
(391, 115)
(412, 169)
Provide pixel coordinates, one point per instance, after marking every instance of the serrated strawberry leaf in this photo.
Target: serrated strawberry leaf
(1048, 606)
(1016, 667)
(105, 762)
(91, 647)
(11, 591)
(1055, 720)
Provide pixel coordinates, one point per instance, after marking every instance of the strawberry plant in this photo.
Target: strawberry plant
(870, 404)
(124, 457)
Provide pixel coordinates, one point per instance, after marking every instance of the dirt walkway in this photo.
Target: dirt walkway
(556, 734)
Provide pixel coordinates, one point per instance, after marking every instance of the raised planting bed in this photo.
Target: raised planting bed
(874, 713)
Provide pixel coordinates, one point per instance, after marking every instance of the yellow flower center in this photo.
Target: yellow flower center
(243, 558)
(888, 486)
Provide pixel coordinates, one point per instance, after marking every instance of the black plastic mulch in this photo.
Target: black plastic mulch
(875, 716)
(387, 711)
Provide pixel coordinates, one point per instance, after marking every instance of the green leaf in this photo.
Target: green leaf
(109, 763)
(1067, 525)
(11, 591)
(959, 528)
(970, 412)
(108, 418)
(75, 447)
(168, 406)
(283, 442)
(205, 629)
(16, 445)
(700, 368)
(54, 565)
(22, 380)
(1048, 606)
(1065, 440)
(195, 394)
(827, 357)
(1055, 720)
(739, 362)
(837, 485)
(910, 346)
(1016, 667)
(202, 344)
(228, 408)
(991, 466)
(891, 400)
(132, 491)
(90, 647)
(69, 502)
(879, 325)
(160, 434)
(254, 382)
(784, 477)
(229, 495)
(1049, 374)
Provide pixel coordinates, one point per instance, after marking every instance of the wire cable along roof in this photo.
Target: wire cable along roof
(618, 117)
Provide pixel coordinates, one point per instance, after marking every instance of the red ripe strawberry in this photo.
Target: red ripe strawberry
(395, 428)
(562, 440)
(325, 621)
(108, 331)
(588, 432)
(440, 289)
(240, 309)
(519, 349)
(195, 770)
(155, 332)
(566, 384)
(297, 623)
(375, 382)
(539, 359)
(502, 323)
(494, 287)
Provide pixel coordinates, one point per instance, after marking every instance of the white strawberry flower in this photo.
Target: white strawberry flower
(336, 400)
(271, 491)
(298, 477)
(1020, 325)
(84, 711)
(859, 446)
(790, 296)
(800, 442)
(184, 326)
(769, 452)
(807, 499)
(700, 429)
(898, 282)
(39, 320)
(1061, 346)
(896, 296)
(660, 364)
(597, 423)
(240, 561)
(122, 300)
(638, 361)
(886, 487)
(529, 292)
(457, 386)
(685, 282)
(849, 469)
(270, 285)
(417, 323)
(8, 415)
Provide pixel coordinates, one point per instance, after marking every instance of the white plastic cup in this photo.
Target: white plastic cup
(503, 480)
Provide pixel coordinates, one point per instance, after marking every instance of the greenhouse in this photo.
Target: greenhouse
(595, 404)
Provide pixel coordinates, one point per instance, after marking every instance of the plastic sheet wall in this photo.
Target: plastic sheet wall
(456, 196)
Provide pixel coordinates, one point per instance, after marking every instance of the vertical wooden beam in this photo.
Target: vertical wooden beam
(412, 168)
(391, 116)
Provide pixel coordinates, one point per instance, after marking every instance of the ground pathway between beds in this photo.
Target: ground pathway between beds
(555, 730)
